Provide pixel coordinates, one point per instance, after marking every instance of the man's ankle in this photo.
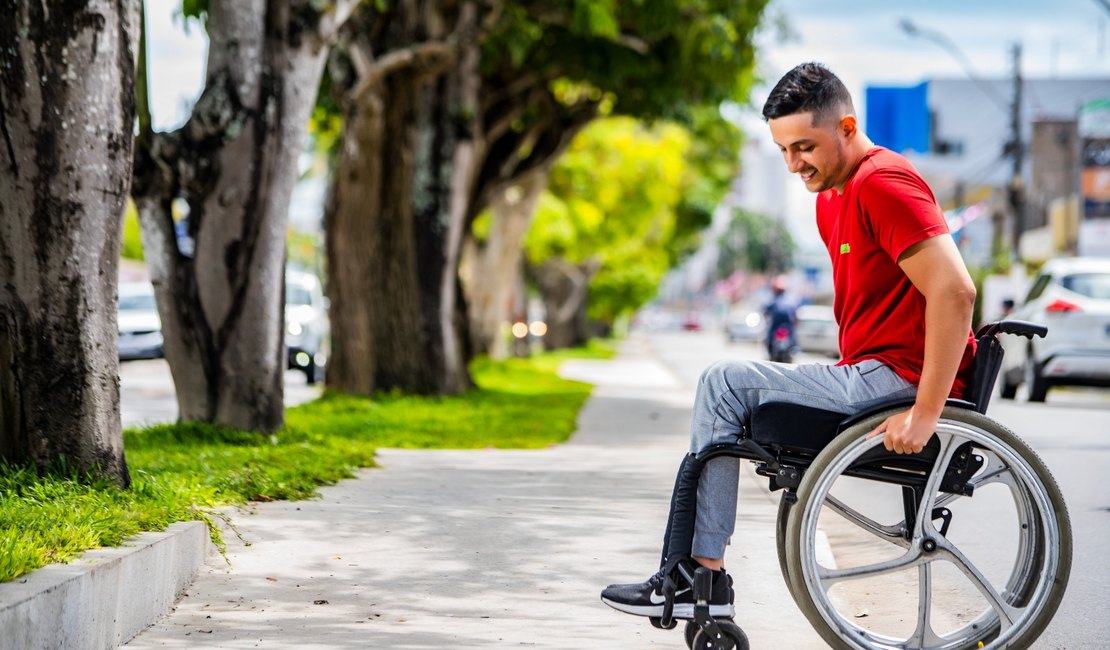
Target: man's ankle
(710, 563)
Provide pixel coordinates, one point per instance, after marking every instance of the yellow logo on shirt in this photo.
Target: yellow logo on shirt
(845, 248)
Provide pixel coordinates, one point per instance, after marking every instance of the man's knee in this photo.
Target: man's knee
(718, 373)
(728, 379)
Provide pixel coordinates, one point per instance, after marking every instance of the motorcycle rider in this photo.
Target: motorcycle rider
(780, 313)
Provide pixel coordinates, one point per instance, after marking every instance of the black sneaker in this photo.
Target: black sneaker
(646, 598)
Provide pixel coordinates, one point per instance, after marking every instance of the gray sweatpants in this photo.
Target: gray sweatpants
(726, 392)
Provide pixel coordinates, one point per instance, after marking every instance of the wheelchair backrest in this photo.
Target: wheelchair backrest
(988, 357)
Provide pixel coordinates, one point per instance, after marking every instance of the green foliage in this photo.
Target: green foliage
(755, 242)
(612, 200)
(633, 198)
(325, 126)
(132, 239)
(303, 250)
(659, 58)
(194, 10)
(185, 471)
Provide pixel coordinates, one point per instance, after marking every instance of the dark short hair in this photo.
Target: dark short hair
(809, 87)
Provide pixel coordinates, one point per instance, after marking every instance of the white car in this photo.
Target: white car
(816, 330)
(306, 324)
(1070, 296)
(140, 329)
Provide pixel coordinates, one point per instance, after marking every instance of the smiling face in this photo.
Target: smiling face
(823, 154)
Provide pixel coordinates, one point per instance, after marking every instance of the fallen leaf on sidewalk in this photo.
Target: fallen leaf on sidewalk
(320, 602)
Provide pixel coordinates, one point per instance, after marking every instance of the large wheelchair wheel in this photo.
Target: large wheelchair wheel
(966, 545)
(780, 539)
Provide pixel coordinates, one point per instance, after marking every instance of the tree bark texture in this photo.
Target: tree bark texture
(496, 266)
(373, 288)
(234, 163)
(67, 113)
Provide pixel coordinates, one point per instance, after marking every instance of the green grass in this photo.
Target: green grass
(186, 471)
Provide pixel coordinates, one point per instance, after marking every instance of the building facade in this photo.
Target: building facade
(960, 135)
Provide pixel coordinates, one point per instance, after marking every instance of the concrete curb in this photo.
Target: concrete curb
(105, 597)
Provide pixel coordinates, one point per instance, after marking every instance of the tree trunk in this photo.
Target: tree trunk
(372, 279)
(234, 162)
(67, 113)
(446, 159)
(396, 215)
(496, 265)
(564, 287)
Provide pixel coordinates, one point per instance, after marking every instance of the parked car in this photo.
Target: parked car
(1071, 296)
(140, 329)
(816, 330)
(306, 324)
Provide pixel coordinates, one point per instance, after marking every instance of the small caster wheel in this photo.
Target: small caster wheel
(731, 638)
(690, 632)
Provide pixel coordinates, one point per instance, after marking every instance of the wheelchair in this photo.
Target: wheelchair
(973, 530)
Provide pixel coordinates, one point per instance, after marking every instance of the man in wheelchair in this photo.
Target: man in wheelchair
(903, 299)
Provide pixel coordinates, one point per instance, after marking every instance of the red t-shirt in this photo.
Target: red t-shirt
(885, 208)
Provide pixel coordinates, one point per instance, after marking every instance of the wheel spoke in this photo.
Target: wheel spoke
(832, 576)
(892, 534)
(1007, 614)
(924, 636)
(932, 486)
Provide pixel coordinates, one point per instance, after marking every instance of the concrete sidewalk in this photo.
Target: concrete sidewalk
(486, 548)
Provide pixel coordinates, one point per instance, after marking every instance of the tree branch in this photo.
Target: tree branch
(423, 54)
(435, 54)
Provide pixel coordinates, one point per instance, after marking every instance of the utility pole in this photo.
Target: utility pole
(1015, 189)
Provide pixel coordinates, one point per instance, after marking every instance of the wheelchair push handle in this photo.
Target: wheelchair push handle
(1017, 327)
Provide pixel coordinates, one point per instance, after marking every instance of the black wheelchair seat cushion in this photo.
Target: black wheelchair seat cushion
(795, 428)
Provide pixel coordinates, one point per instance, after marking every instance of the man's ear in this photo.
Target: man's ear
(848, 126)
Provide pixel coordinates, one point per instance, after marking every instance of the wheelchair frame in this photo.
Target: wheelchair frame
(781, 441)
